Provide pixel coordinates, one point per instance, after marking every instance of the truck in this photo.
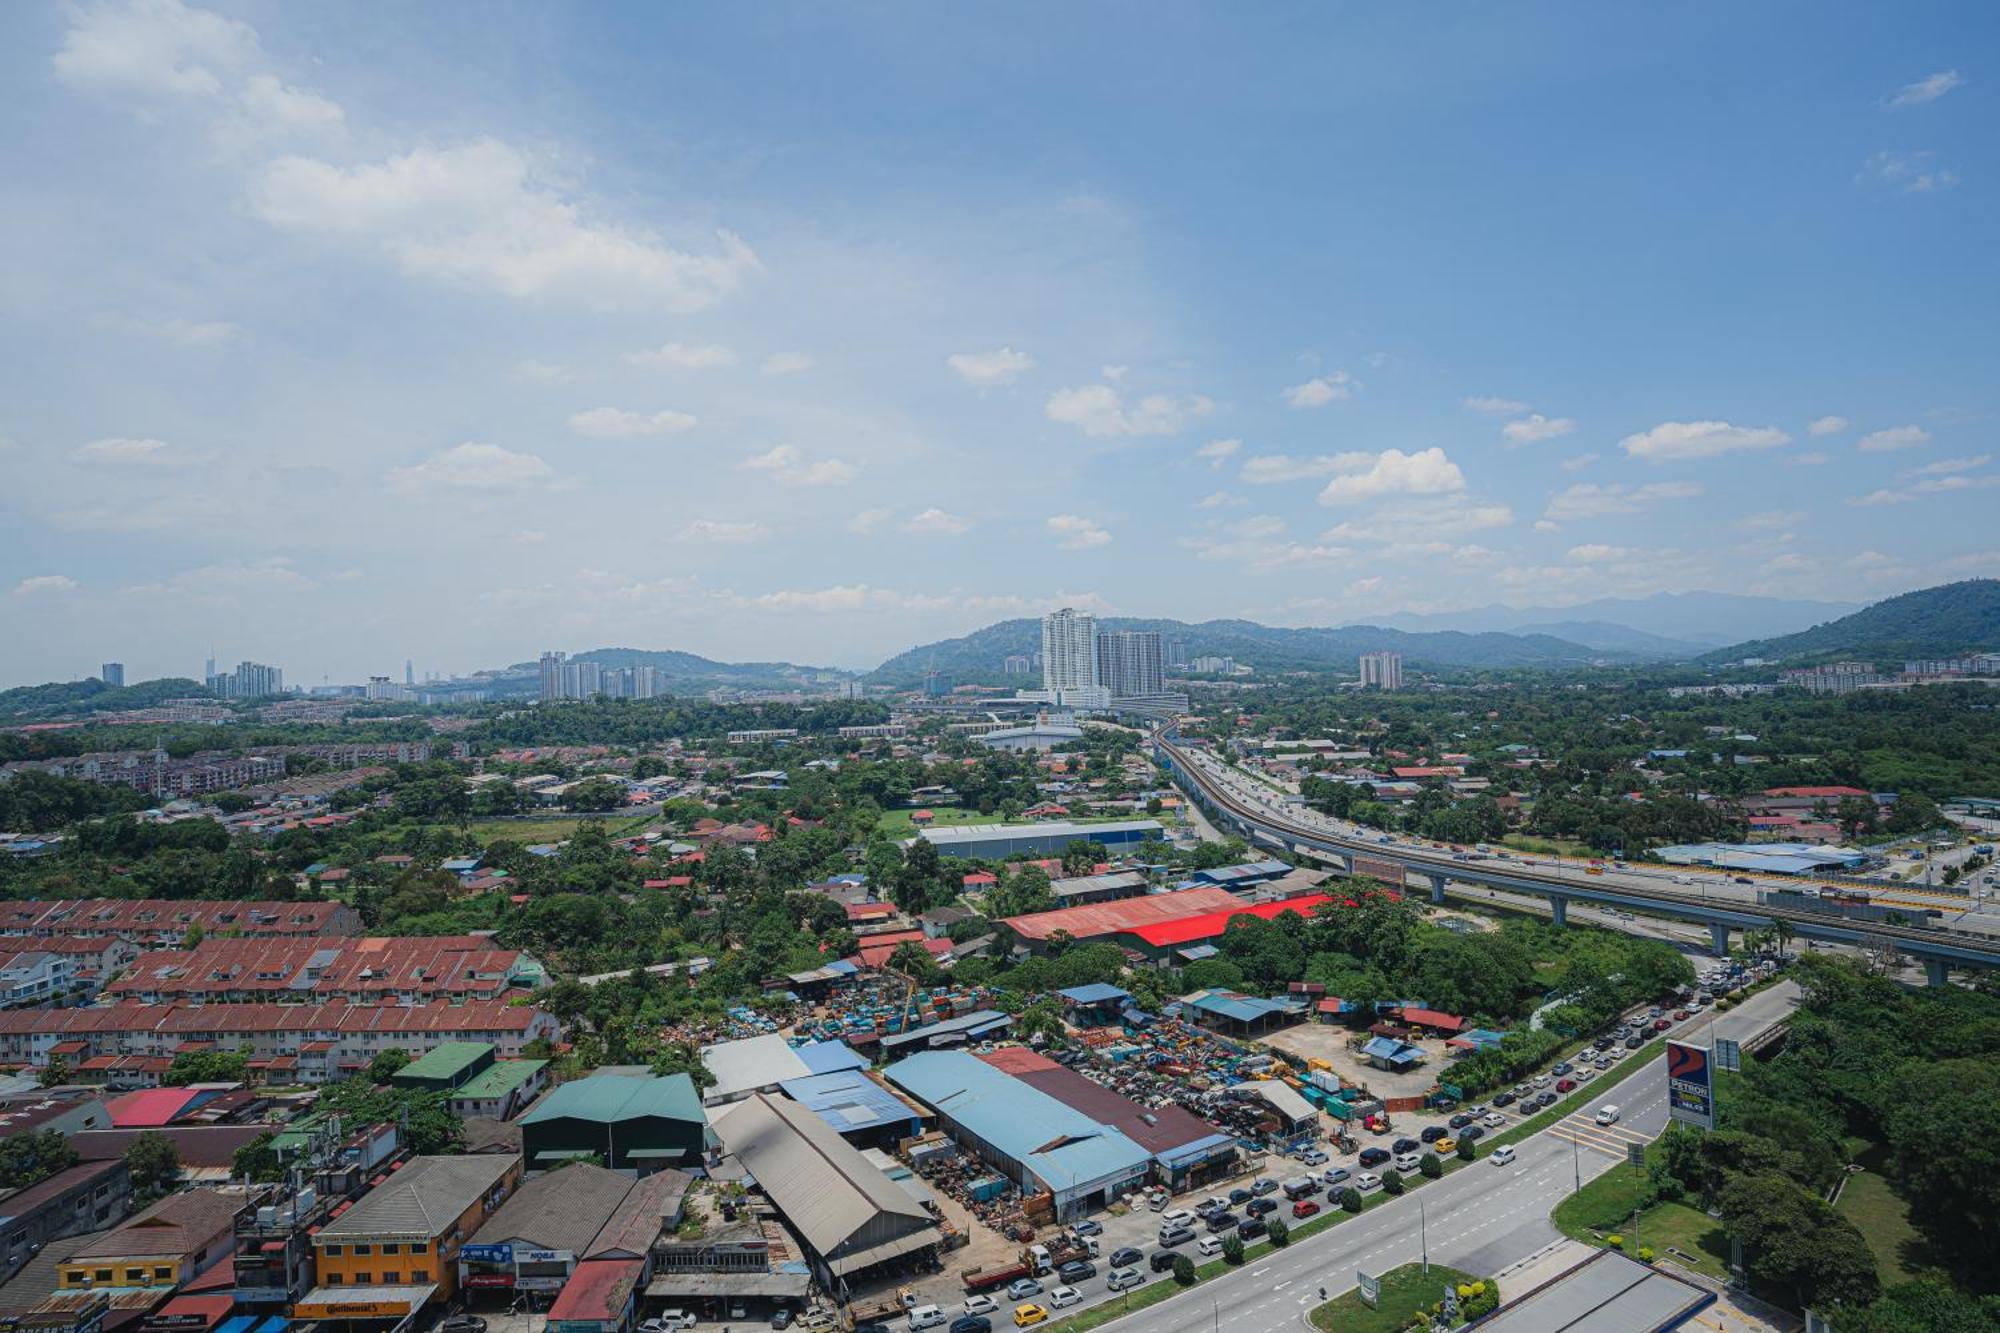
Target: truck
(986, 1279)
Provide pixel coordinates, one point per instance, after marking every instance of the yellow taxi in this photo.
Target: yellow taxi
(1030, 1313)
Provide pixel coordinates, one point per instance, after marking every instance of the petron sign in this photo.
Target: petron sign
(1691, 1084)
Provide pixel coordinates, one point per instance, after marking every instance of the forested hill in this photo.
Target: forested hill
(687, 672)
(72, 697)
(979, 655)
(1932, 622)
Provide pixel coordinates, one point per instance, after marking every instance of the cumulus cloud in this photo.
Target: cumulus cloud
(685, 356)
(1099, 410)
(1927, 89)
(1892, 439)
(1393, 472)
(1820, 426)
(611, 423)
(472, 467)
(935, 523)
(45, 585)
(1535, 427)
(722, 531)
(1946, 466)
(272, 107)
(1945, 485)
(1073, 532)
(123, 451)
(482, 214)
(786, 465)
(1496, 406)
(1424, 519)
(990, 370)
(1220, 500)
(1910, 173)
(1269, 469)
(1321, 390)
(788, 363)
(1218, 452)
(1590, 500)
(153, 49)
(1675, 440)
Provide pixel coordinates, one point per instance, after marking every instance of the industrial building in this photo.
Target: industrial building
(1035, 1140)
(996, 842)
(1156, 925)
(860, 1107)
(1764, 858)
(1605, 1291)
(630, 1123)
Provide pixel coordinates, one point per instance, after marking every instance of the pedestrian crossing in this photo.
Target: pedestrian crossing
(1583, 1130)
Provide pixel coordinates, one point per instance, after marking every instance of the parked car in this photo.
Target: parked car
(1220, 1222)
(1237, 1196)
(1304, 1208)
(1662, 1024)
(1470, 1134)
(1566, 1085)
(1335, 1177)
(781, 1319)
(1374, 1156)
(1633, 1043)
(1077, 1270)
(1401, 1146)
(1176, 1235)
(472, 1323)
(1125, 1256)
(1162, 1261)
(1251, 1227)
(1121, 1278)
(1313, 1157)
(1493, 1120)
(1432, 1133)
(1444, 1147)
(1023, 1287)
(1026, 1315)
(981, 1304)
(1504, 1099)
(1209, 1245)
(1176, 1217)
(669, 1319)
(1259, 1207)
(1559, 1068)
(1064, 1297)
(1459, 1121)
(971, 1323)
(1366, 1181)
(1088, 1227)
(1263, 1185)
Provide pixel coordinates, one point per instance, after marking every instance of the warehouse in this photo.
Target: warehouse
(979, 1025)
(1186, 1149)
(851, 1217)
(1036, 1141)
(629, 1123)
(1229, 1011)
(1095, 921)
(997, 842)
(1764, 858)
(753, 1064)
(860, 1107)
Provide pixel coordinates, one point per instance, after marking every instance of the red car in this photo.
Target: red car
(1661, 1025)
(1566, 1085)
(1304, 1208)
(1680, 1014)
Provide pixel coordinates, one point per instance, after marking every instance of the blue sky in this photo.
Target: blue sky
(336, 335)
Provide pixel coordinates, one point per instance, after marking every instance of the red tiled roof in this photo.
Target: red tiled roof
(1432, 1018)
(1834, 793)
(1208, 925)
(150, 1109)
(1125, 914)
(874, 954)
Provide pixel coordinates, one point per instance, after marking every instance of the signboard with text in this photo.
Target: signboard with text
(1371, 1287)
(1691, 1084)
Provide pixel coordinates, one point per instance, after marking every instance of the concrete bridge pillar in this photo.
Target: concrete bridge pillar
(1559, 910)
(1718, 939)
(1437, 888)
(1937, 971)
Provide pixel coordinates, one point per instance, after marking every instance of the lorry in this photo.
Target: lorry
(986, 1279)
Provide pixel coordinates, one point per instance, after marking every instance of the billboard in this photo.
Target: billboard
(1690, 1084)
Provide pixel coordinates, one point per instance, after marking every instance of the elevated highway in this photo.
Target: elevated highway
(1265, 820)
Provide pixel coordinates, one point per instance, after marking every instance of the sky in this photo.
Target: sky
(333, 336)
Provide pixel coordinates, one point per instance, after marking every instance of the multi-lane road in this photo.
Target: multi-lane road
(1479, 1219)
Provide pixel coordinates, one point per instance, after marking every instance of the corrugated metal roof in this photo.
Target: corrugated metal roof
(445, 1061)
(563, 1210)
(423, 1198)
(1093, 919)
(1097, 992)
(830, 1057)
(1211, 924)
(607, 1098)
(848, 1100)
(1164, 1131)
(749, 1064)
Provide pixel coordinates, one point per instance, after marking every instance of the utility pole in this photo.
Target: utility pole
(1576, 1165)
(1424, 1236)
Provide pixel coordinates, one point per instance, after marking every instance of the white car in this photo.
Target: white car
(1176, 1217)
(1209, 1245)
(1607, 1115)
(1366, 1181)
(1408, 1161)
(1493, 1120)
(981, 1305)
(669, 1319)
(1064, 1297)
(1502, 1154)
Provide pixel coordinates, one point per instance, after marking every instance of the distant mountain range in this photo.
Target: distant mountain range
(1668, 624)
(1931, 622)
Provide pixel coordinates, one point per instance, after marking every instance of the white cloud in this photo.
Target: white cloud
(1892, 439)
(1321, 390)
(529, 537)
(1073, 532)
(1590, 500)
(719, 531)
(1099, 410)
(1945, 485)
(869, 520)
(43, 585)
(935, 523)
(1673, 440)
(1769, 520)
(1927, 89)
(1218, 452)
(789, 467)
(153, 48)
(1268, 469)
(481, 214)
(1946, 466)
(472, 467)
(1911, 173)
(611, 423)
(1264, 554)
(1813, 459)
(124, 452)
(788, 363)
(1820, 426)
(685, 356)
(274, 108)
(1545, 525)
(1537, 427)
(990, 370)
(1494, 406)
(1393, 472)
(1579, 462)
(1431, 519)
(1600, 555)
(1221, 500)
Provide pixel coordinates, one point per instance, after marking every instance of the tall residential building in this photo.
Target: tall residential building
(1131, 663)
(409, 672)
(250, 680)
(1069, 650)
(1383, 670)
(113, 674)
(552, 675)
(1016, 664)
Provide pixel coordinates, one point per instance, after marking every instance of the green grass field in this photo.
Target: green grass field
(1884, 1220)
(1672, 1230)
(1405, 1291)
(555, 828)
(896, 823)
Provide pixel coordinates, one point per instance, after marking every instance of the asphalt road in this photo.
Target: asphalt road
(1479, 1219)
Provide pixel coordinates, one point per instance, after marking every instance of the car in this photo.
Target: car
(1566, 1085)
(1401, 1146)
(1313, 1157)
(1603, 1062)
(1208, 1208)
(1543, 1080)
(1585, 1074)
(1680, 1014)
(1209, 1245)
(1443, 1146)
(971, 1323)
(1634, 1042)
(1503, 1154)
(1407, 1162)
(1121, 1278)
(1025, 1315)
(1176, 1217)
(1559, 1068)
(1221, 1222)
(1162, 1261)
(1259, 1207)
(669, 1319)
(1176, 1235)
(1023, 1287)
(1125, 1256)
(1471, 1134)
(1602, 1042)
(1504, 1099)
(1493, 1120)
(1238, 1196)
(1374, 1156)
(1304, 1208)
(1607, 1114)
(981, 1304)
(1251, 1227)
(1432, 1133)
(1744, 879)
(1263, 1185)
(1064, 1297)
(1088, 1227)
(781, 1318)
(462, 1323)
(1459, 1121)
(1335, 1177)
(1366, 1181)
(1662, 1024)
(926, 1316)
(1077, 1270)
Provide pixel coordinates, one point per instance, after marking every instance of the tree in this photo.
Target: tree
(155, 1164)
(1794, 1239)
(1350, 1200)
(206, 1067)
(257, 1160)
(1467, 1150)
(1943, 1124)
(1279, 1233)
(54, 1074)
(594, 794)
(1232, 1248)
(1429, 1167)
(27, 1159)
(1183, 1270)
(1392, 1183)
(387, 1064)
(1079, 857)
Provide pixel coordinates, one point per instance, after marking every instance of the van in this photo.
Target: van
(926, 1316)
(1122, 1278)
(1179, 1234)
(1300, 1186)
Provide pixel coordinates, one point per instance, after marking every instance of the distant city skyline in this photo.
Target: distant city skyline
(814, 334)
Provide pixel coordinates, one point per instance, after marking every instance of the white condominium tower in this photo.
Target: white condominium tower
(1131, 663)
(1069, 660)
(1384, 670)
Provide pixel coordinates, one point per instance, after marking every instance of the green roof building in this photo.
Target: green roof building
(641, 1124)
(500, 1091)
